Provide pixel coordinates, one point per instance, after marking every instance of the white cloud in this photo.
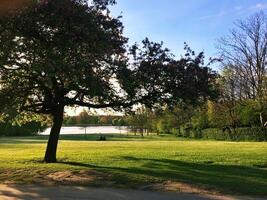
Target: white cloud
(259, 6)
(237, 10)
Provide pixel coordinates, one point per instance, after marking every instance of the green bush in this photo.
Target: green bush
(190, 132)
(216, 133)
(29, 129)
(186, 132)
(237, 134)
(196, 133)
(250, 134)
(176, 131)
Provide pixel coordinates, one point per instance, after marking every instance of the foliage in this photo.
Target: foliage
(200, 118)
(27, 129)
(238, 134)
(244, 60)
(23, 125)
(85, 118)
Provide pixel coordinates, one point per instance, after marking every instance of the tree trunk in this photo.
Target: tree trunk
(51, 149)
(261, 120)
(261, 109)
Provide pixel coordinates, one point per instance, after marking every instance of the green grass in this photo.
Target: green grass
(228, 167)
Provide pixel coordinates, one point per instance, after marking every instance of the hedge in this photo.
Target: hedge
(237, 134)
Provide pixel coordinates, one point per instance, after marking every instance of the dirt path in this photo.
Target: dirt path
(15, 192)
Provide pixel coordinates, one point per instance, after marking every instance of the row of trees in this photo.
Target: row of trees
(212, 114)
(85, 118)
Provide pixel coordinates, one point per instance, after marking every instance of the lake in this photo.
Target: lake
(70, 130)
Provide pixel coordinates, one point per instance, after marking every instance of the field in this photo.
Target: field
(226, 167)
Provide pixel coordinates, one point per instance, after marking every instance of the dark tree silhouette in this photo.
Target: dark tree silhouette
(68, 52)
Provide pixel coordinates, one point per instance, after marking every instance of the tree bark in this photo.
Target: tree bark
(51, 149)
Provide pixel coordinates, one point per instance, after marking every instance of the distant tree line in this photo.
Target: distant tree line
(85, 118)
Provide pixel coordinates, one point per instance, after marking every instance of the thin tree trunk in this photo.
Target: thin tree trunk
(261, 120)
(51, 149)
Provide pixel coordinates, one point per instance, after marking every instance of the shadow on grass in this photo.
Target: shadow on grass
(224, 178)
(78, 164)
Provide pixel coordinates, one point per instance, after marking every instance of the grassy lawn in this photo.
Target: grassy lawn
(229, 167)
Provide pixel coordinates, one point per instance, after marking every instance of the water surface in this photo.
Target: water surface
(88, 130)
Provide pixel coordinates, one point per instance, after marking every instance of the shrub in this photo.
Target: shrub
(237, 134)
(195, 133)
(176, 131)
(29, 129)
(186, 132)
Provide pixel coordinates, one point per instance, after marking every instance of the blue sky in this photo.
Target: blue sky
(198, 22)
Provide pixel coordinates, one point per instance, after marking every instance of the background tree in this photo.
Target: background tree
(69, 52)
(244, 52)
(83, 118)
(139, 120)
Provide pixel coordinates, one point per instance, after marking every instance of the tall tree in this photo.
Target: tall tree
(70, 52)
(245, 52)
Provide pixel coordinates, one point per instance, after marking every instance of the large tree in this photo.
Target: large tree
(62, 53)
(244, 53)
